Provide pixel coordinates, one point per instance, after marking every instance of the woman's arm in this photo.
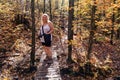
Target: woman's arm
(51, 27)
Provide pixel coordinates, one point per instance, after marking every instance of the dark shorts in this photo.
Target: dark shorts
(48, 44)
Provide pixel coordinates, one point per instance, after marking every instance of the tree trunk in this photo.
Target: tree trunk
(56, 4)
(33, 33)
(112, 31)
(104, 9)
(50, 10)
(44, 5)
(118, 31)
(70, 30)
(62, 3)
(93, 28)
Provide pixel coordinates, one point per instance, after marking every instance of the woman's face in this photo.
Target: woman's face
(44, 18)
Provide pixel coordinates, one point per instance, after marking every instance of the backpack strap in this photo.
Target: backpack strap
(43, 30)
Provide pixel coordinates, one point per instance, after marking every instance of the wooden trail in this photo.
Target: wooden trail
(48, 71)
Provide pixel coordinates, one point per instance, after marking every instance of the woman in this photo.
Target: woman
(46, 30)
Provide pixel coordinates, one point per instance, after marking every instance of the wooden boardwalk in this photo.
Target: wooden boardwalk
(48, 71)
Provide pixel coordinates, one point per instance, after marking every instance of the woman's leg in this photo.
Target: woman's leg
(48, 51)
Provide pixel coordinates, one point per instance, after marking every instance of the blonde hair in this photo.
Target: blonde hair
(46, 16)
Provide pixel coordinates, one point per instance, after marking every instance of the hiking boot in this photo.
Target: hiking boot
(50, 61)
(48, 58)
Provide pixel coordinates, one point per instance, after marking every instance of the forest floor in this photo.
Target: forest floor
(104, 55)
(15, 64)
